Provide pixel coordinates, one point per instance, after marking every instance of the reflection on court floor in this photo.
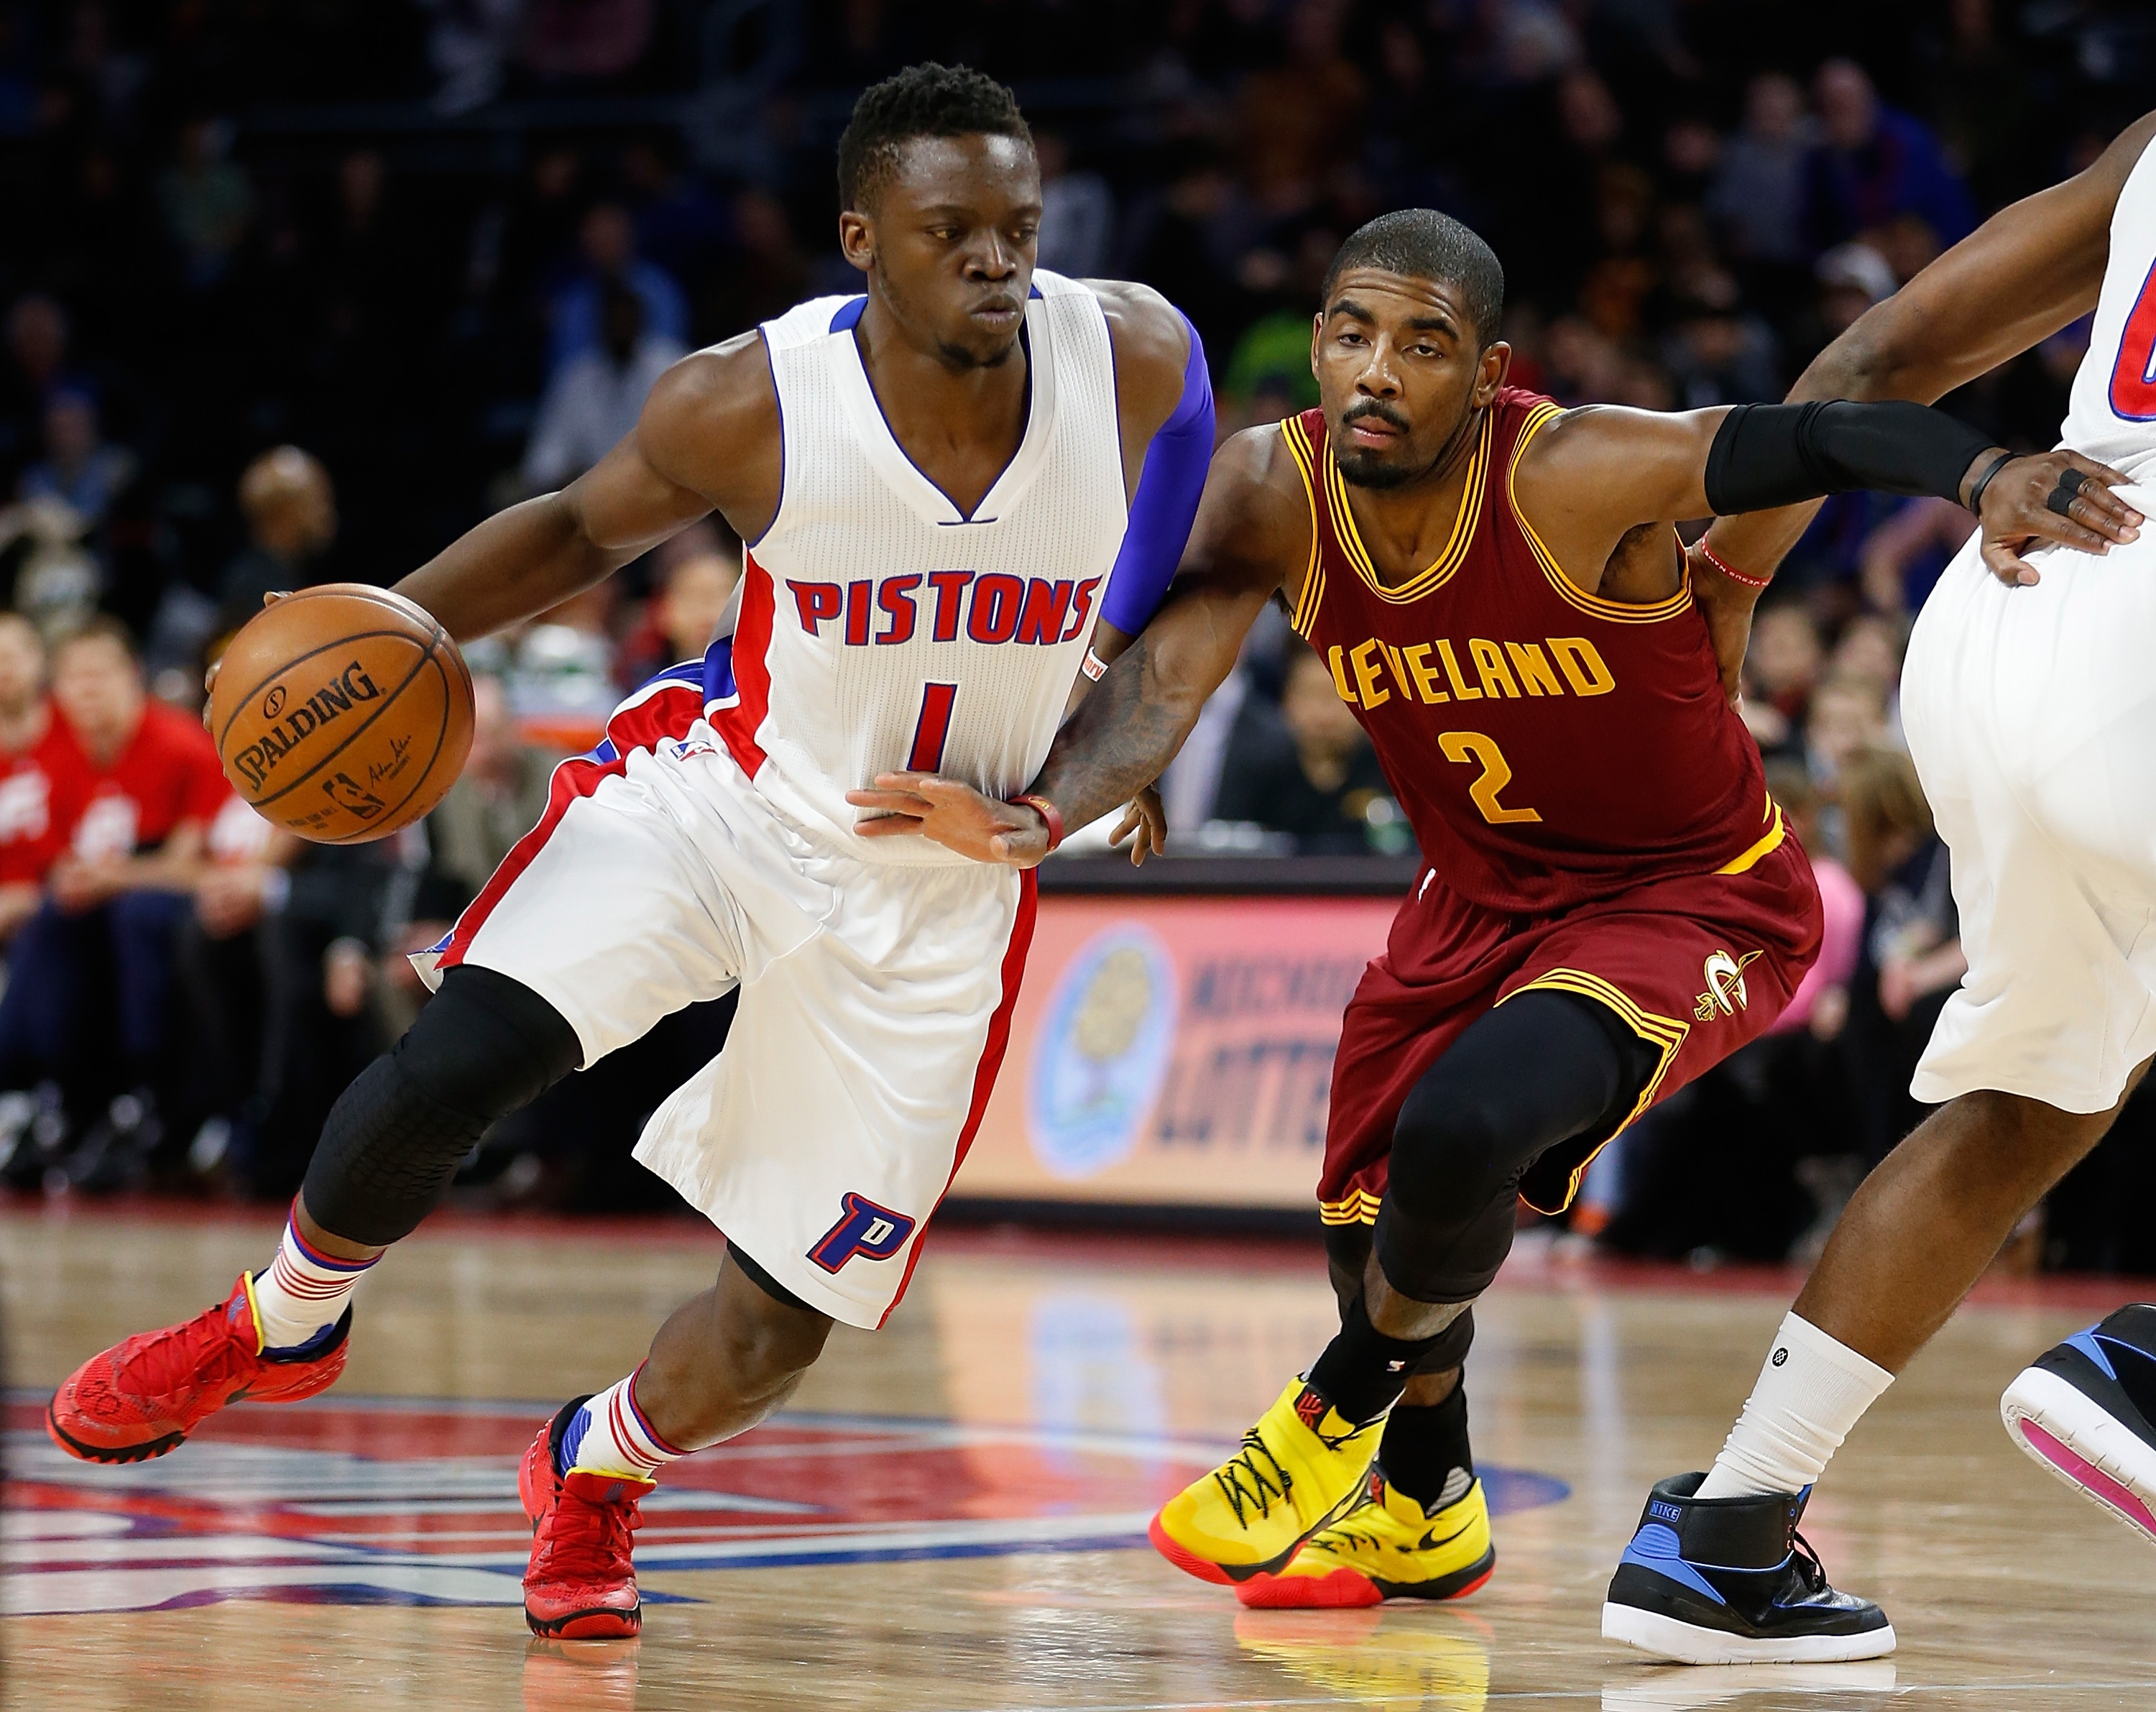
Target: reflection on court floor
(950, 1517)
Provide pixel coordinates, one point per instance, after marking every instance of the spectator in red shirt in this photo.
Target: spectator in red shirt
(35, 747)
(136, 800)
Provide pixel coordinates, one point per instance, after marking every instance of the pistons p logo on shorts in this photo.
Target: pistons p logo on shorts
(864, 1228)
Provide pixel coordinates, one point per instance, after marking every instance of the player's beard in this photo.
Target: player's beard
(959, 356)
(1359, 469)
(953, 355)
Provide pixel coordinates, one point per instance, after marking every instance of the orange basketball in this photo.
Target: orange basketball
(343, 712)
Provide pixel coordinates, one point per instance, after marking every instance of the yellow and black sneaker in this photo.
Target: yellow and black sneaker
(1389, 1547)
(1300, 1468)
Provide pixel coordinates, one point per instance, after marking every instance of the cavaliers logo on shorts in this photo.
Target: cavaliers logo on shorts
(1725, 992)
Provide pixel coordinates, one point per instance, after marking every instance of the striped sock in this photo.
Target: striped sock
(300, 1296)
(610, 1435)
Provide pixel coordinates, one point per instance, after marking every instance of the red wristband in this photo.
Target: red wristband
(1714, 559)
(1048, 812)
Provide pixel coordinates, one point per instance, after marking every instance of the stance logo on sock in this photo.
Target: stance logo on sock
(1780, 1357)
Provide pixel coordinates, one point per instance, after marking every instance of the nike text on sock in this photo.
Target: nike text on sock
(610, 1435)
(301, 1294)
(1811, 1391)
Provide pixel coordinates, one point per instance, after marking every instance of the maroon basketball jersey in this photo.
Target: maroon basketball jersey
(1549, 746)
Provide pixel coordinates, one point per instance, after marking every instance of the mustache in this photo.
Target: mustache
(1372, 407)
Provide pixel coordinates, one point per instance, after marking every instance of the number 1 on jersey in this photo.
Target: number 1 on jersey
(932, 728)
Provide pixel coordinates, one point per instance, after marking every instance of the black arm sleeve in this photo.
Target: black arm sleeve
(1766, 455)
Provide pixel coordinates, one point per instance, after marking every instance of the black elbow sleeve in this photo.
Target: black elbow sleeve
(1766, 455)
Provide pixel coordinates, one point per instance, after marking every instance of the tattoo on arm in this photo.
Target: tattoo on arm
(1124, 734)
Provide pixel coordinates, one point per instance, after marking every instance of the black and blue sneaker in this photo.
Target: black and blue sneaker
(1729, 1580)
(2086, 1411)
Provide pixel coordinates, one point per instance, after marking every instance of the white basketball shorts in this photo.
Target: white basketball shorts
(2031, 715)
(875, 1000)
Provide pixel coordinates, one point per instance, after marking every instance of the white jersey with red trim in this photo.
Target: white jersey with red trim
(877, 627)
(2030, 718)
(2112, 415)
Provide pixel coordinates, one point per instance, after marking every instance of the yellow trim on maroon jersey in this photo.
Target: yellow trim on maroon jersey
(1616, 612)
(1359, 1208)
(1665, 1034)
(1769, 842)
(1312, 595)
(1435, 574)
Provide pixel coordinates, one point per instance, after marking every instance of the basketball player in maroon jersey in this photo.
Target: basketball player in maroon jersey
(1611, 904)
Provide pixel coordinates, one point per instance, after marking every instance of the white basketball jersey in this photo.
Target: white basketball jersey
(877, 627)
(2112, 414)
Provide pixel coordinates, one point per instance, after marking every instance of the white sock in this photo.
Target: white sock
(1810, 1392)
(302, 1292)
(609, 1435)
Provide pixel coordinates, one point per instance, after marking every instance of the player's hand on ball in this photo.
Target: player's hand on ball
(955, 815)
(209, 672)
(2054, 496)
(1144, 816)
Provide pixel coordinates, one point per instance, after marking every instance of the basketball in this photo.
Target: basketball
(342, 712)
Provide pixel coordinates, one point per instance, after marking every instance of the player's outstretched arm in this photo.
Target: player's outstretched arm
(2026, 272)
(1594, 474)
(708, 439)
(1251, 537)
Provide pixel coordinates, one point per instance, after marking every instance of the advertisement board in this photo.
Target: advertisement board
(1174, 1050)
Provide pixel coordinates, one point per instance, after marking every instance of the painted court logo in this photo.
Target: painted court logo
(864, 1230)
(413, 1501)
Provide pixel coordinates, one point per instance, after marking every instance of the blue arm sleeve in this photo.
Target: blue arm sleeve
(1166, 502)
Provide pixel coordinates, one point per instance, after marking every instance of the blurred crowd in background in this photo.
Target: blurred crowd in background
(295, 294)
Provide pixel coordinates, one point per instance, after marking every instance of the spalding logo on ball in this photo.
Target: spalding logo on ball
(343, 712)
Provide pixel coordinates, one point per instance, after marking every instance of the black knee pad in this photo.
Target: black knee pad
(1454, 1261)
(1452, 1149)
(485, 1046)
(1544, 1069)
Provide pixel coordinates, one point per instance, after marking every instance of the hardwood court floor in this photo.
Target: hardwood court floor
(949, 1516)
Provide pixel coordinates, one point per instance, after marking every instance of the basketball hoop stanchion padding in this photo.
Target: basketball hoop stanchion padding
(342, 714)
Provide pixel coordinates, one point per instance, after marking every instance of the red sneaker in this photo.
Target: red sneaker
(142, 1397)
(580, 1585)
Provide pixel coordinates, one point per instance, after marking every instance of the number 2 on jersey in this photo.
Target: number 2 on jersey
(1496, 774)
(932, 728)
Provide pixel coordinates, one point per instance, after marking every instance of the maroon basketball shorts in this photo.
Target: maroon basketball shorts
(1696, 965)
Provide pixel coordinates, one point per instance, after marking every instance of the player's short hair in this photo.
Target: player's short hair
(929, 100)
(1425, 245)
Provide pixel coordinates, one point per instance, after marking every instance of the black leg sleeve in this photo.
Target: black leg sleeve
(1540, 1070)
(1347, 1256)
(485, 1046)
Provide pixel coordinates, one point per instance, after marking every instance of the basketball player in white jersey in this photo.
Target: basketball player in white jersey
(934, 481)
(2030, 709)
